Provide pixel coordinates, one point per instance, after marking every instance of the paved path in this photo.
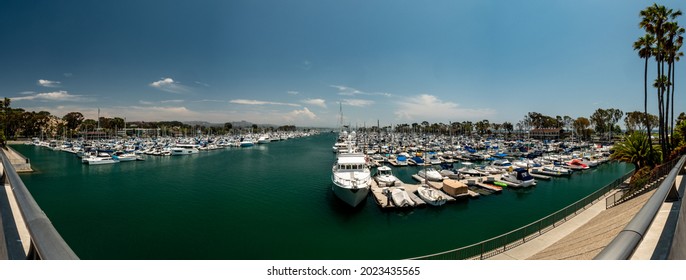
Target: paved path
(581, 237)
(18, 161)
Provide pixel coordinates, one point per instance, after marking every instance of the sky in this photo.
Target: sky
(300, 62)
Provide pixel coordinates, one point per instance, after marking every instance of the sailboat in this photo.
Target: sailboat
(432, 196)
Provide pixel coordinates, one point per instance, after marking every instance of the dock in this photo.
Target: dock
(548, 173)
(385, 202)
(539, 176)
(491, 188)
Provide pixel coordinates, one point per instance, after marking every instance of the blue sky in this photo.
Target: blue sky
(292, 62)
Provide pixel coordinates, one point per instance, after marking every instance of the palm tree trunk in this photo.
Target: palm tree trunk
(645, 100)
(668, 88)
(671, 127)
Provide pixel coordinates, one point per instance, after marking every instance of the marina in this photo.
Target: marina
(227, 203)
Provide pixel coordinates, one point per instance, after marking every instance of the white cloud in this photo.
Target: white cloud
(304, 113)
(357, 102)
(172, 101)
(68, 75)
(27, 92)
(348, 91)
(145, 102)
(428, 107)
(202, 84)
(259, 102)
(317, 102)
(61, 95)
(292, 92)
(209, 100)
(169, 85)
(48, 83)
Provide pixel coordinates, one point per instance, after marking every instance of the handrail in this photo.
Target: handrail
(46, 242)
(514, 238)
(625, 243)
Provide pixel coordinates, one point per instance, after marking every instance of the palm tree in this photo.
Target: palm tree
(673, 45)
(659, 21)
(644, 45)
(636, 149)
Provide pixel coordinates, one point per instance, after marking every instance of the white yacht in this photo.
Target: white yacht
(100, 158)
(351, 178)
(184, 149)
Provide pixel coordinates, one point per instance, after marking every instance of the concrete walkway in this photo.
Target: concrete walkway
(20, 163)
(581, 237)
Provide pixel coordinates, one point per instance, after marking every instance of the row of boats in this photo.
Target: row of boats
(110, 151)
(352, 176)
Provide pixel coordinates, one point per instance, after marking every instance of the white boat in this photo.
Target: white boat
(400, 197)
(519, 177)
(127, 157)
(184, 149)
(385, 178)
(431, 195)
(557, 169)
(264, 139)
(451, 173)
(492, 170)
(501, 164)
(469, 170)
(351, 178)
(430, 174)
(101, 158)
(339, 147)
(246, 142)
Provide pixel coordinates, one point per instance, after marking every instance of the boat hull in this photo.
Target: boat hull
(352, 197)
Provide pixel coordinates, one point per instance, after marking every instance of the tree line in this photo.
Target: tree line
(19, 123)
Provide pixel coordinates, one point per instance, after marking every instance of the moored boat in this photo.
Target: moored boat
(431, 196)
(351, 178)
(519, 177)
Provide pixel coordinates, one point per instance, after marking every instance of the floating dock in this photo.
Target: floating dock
(540, 176)
(549, 173)
(385, 202)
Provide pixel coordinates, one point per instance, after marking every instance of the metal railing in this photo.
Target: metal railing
(657, 176)
(46, 242)
(499, 244)
(626, 242)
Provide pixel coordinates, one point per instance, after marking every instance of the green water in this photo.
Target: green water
(270, 201)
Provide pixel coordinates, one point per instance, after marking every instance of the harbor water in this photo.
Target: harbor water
(271, 201)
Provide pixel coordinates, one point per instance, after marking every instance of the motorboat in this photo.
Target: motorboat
(469, 170)
(576, 164)
(246, 142)
(557, 169)
(519, 177)
(430, 174)
(385, 178)
(501, 164)
(126, 157)
(264, 139)
(99, 159)
(183, 149)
